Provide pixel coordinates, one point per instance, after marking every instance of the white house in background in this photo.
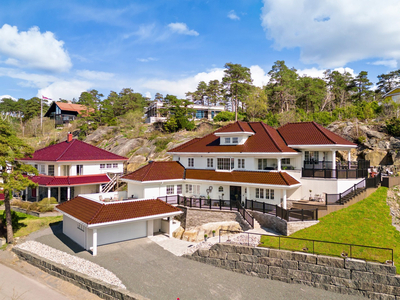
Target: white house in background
(251, 160)
(70, 168)
(91, 222)
(154, 113)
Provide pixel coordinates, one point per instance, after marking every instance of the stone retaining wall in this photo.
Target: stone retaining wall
(346, 276)
(97, 287)
(280, 225)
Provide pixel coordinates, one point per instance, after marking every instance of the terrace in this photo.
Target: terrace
(340, 170)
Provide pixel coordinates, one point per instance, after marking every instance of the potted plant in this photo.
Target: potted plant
(213, 232)
(310, 195)
(205, 237)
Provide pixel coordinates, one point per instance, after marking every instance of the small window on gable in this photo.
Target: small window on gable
(190, 162)
(221, 189)
(227, 140)
(235, 140)
(102, 166)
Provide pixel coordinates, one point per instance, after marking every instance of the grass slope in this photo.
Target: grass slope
(367, 222)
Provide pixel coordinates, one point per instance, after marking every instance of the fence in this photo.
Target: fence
(320, 247)
(285, 214)
(334, 173)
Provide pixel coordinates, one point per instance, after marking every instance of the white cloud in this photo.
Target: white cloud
(33, 49)
(147, 59)
(95, 75)
(233, 16)
(182, 28)
(8, 97)
(29, 79)
(333, 33)
(319, 73)
(259, 76)
(390, 63)
(65, 89)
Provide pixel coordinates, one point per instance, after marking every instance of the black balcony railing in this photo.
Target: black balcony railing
(343, 170)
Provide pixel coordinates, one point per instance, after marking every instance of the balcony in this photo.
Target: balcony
(343, 170)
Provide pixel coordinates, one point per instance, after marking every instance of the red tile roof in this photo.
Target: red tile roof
(166, 170)
(265, 139)
(257, 177)
(1, 196)
(75, 150)
(93, 212)
(73, 107)
(160, 170)
(45, 180)
(238, 126)
(310, 133)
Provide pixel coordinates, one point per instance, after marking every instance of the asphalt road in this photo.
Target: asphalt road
(147, 269)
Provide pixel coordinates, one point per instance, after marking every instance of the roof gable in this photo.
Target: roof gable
(160, 170)
(94, 212)
(265, 139)
(70, 180)
(73, 151)
(310, 133)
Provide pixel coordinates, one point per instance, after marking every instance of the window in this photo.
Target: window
(262, 164)
(42, 169)
(285, 161)
(210, 163)
(36, 167)
(235, 140)
(51, 170)
(190, 162)
(221, 189)
(115, 166)
(79, 169)
(225, 163)
(272, 194)
(241, 163)
(109, 166)
(66, 170)
(227, 140)
(170, 189)
(179, 189)
(193, 189)
(311, 156)
(267, 194)
(257, 193)
(102, 166)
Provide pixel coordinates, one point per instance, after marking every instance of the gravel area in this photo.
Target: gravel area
(73, 262)
(238, 239)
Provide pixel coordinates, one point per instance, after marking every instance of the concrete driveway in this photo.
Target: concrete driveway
(147, 269)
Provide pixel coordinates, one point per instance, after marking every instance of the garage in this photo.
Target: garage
(92, 223)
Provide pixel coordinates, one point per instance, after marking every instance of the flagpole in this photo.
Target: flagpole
(41, 113)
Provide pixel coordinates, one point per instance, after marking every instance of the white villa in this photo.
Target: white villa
(154, 114)
(70, 168)
(253, 161)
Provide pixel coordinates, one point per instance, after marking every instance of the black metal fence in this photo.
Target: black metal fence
(329, 248)
(343, 170)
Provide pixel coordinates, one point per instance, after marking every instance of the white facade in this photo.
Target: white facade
(75, 168)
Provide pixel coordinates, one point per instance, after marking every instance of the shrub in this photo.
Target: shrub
(161, 144)
(224, 116)
(361, 139)
(393, 126)
(45, 205)
(14, 220)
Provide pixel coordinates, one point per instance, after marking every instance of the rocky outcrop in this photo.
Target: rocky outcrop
(197, 234)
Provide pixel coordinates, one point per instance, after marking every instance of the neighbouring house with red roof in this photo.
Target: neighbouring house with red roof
(63, 113)
(92, 222)
(70, 168)
(253, 161)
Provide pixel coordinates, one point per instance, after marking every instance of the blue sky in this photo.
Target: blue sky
(60, 48)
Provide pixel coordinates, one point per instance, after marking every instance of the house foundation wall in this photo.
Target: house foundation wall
(345, 276)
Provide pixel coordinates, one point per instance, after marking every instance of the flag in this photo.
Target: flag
(45, 98)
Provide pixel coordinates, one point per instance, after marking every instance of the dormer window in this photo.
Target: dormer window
(227, 140)
(235, 140)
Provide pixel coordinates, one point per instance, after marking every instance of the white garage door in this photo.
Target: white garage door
(122, 232)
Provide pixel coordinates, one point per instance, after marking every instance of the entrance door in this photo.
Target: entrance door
(235, 193)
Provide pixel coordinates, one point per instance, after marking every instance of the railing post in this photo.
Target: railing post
(210, 204)
(302, 214)
(263, 207)
(252, 204)
(200, 202)
(191, 200)
(276, 210)
(230, 204)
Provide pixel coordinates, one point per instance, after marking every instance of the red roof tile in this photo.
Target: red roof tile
(310, 133)
(75, 150)
(45, 180)
(273, 178)
(237, 127)
(265, 139)
(93, 212)
(73, 107)
(160, 170)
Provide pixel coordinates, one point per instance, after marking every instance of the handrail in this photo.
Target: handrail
(309, 240)
(248, 217)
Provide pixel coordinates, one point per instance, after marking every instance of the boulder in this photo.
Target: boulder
(196, 234)
(98, 135)
(135, 162)
(124, 145)
(376, 157)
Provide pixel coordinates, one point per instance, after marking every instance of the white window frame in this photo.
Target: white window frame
(225, 163)
(48, 170)
(241, 163)
(210, 162)
(179, 189)
(227, 140)
(235, 140)
(115, 166)
(191, 162)
(102, 166)
(170, 189)
(285, 161)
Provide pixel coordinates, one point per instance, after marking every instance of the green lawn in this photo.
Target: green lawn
(367, 222)
(29, 224)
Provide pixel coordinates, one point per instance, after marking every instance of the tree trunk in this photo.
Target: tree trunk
(10, 233)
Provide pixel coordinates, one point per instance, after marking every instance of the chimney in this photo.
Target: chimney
(69, 137)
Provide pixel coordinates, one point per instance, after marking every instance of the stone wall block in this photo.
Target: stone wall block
(261, 252)
(248, 258)
(355, 264)
(245, 266)
(283, 279)
(300, 275)
(290, 264)
(277, 271)
(244, 250)
(362, 276)
(217, 254)
(282, 254)
(270, 261)
(213, 261)
(348, 283)
(335, 262)
(233, 256)
(228, 264)
(203, 252)
(325, 270)
(259, 268)
(229, 248)
(304, 257)
(315, 277)
(383, 288)
(379, 296)
(392, 280)
(381, 268)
